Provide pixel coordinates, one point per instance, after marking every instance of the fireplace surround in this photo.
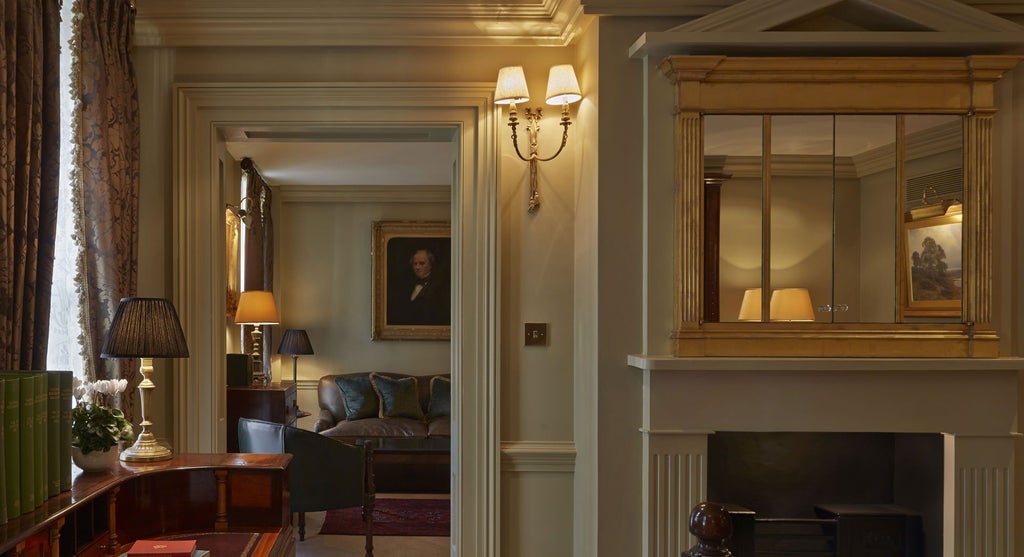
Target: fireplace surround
(970, 402)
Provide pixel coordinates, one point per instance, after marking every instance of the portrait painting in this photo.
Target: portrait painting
(934, 267)
(411, 280)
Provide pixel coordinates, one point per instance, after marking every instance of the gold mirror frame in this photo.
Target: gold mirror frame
(847, 85)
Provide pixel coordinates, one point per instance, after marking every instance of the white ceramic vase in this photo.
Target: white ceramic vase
(95, 461)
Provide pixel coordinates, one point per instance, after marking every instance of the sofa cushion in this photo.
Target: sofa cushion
(440, 427)
(399, 398)
(440, 397)
(378, 427)
(361, 400)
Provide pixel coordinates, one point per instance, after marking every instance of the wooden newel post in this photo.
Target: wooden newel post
(711, 524)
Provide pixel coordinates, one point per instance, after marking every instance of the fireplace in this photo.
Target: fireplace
(959, 412)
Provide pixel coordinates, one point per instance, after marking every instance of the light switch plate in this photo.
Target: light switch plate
(536, 334)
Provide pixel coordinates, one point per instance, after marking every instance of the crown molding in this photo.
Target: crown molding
(365, 194)
(699, 8)
(356, 23)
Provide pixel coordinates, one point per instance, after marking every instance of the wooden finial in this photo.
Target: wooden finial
(711, 524)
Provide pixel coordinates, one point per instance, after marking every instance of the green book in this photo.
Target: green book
(27, 448)
(67, 383)
(12, 444)
(52, 434)
(3, 461)
(39, 438)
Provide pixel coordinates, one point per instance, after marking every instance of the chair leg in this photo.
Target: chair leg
(302, 526)
(368, 521)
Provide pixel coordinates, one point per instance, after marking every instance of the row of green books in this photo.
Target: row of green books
(35, 441)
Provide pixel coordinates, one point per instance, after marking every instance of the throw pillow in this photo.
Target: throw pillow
(440, 397)
(359, 396)
(399, 398)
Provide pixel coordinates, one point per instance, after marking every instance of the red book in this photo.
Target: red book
(162, 548)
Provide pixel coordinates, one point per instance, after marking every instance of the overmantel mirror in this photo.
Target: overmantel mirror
(834, 206)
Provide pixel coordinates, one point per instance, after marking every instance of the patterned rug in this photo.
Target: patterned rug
(394, 517)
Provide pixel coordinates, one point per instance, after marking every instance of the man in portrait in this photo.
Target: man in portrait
(420, 295)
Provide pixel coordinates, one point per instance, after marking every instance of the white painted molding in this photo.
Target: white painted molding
(365, 194)
(884, 365)
(356, 23)
(199, 111)
(538, 456)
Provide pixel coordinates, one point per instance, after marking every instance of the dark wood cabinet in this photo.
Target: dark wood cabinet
(272, 403)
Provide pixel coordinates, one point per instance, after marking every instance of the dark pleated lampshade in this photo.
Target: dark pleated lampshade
(145, 328)
(295, 341)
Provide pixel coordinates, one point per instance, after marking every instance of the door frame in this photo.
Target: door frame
(200, 112)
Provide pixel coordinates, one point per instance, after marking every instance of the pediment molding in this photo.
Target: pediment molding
(839, 28)
(356, 23)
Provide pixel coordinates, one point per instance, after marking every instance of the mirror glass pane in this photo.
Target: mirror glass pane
(865, 220)
(932, 232)
(801, 204)
(732, 176)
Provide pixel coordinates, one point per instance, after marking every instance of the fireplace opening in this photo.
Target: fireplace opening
(834, 494)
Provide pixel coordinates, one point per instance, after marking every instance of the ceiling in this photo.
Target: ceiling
(332, 156)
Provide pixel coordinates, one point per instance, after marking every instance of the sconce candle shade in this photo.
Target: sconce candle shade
(511, 86)
(562, 85)
(791, 304)
(256, 307)
(145, 328)
(295, 342)
(750, 308)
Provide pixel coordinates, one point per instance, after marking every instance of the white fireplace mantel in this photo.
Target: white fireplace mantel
(971, 401)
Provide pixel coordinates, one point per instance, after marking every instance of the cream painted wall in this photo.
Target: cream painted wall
(536, 267)
(323, 283)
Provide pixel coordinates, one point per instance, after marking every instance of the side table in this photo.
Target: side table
(272, 403)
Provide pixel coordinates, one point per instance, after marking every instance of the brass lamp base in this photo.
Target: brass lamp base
(146, 449)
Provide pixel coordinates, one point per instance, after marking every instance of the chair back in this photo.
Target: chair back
(324, 473)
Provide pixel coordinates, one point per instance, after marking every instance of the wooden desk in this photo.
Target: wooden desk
(271, 403)
(104, 513)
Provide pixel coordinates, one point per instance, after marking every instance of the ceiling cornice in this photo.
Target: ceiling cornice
(698, 8)
(182, 23)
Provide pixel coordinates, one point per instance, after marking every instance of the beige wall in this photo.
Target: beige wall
(536, 394)
(595, 263)
(322, 284)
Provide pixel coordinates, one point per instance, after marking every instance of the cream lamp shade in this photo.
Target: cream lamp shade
(791, 304)
(750, 308)
(562, 85)
(511, 86)
(256, 307)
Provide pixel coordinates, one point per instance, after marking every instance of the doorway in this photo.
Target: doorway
(201, 112)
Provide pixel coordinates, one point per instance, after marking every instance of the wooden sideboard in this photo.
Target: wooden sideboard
(188, 496)
(272, 403)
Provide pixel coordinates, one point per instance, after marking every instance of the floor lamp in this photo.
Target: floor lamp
(145, 328)
(295, 342)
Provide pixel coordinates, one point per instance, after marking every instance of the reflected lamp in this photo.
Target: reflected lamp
(145, 328)
(791, 304)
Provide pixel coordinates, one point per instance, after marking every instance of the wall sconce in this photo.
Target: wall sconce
(240, 211)
(563, 89)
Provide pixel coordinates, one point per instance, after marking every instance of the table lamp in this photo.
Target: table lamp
(256, 308)
(145, 328)
(295, 342)
(791, 304)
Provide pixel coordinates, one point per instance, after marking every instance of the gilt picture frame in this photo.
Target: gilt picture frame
(411, 266)
(933, 248)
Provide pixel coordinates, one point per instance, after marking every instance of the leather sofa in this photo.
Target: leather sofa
(334, 418)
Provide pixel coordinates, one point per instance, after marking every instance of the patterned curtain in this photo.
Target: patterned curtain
(106, 188)
(29, 174)
(259, 249)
